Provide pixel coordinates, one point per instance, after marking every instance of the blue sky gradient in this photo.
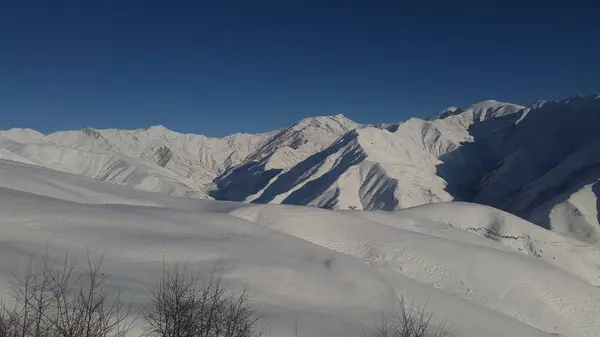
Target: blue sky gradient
(219, 67)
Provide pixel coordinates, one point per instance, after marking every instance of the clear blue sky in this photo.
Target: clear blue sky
(218, 67)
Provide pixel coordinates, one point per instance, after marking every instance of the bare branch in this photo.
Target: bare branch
(185, 305)
(52, 301)
(411, 321)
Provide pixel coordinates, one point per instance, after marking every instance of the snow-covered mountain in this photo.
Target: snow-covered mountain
(153, 159)
(540, 162)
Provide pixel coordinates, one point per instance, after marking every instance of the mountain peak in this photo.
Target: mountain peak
(158, 129)
(335, 121)
(481, 110)
(24, 130)
(449, 111)
(339, 116)
(486, 104)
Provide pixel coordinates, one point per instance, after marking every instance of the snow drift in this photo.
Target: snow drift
(332, 270)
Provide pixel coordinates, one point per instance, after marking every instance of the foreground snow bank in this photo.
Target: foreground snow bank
(334, 271)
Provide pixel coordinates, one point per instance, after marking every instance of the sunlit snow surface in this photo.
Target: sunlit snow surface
(486, 272)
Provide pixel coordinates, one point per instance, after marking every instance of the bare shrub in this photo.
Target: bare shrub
(186, 305)
(54, 301)
(530, 247)
(8, 326)
(411, 321)
(494, 232)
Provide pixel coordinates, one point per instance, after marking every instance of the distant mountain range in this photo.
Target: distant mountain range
(540, 162)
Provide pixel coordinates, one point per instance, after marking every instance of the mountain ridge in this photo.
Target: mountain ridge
(494, 153)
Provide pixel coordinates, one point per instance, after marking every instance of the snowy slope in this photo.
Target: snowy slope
(335, 271)
(569, 254)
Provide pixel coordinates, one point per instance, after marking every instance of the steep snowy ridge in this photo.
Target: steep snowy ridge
(306, 137)
(538, 162)
(549, 155)
(480, 111)
(396, 169)
(368, 168)
(280, 153)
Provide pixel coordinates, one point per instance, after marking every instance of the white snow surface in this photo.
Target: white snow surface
(538, 162)
(334, 270)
